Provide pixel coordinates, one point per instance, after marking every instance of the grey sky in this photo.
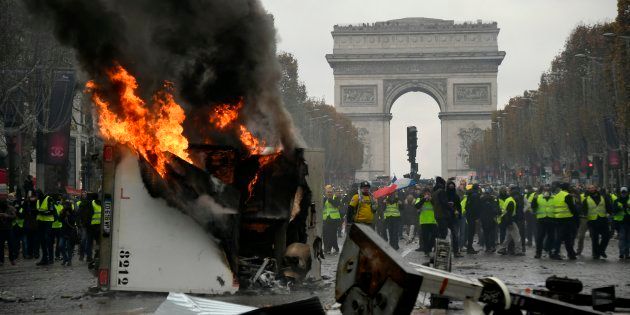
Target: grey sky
(532, 33)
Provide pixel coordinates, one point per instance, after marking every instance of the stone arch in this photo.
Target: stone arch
(393, 89)
(376, 63)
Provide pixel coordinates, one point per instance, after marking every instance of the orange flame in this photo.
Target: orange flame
(150, 131)
(225, 115)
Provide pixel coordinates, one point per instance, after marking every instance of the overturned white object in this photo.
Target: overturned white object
(158, 248)
(183, 304)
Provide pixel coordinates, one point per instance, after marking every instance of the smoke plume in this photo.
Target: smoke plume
(213, 51)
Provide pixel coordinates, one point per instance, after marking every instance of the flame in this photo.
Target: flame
(262, 161)
(225, 115)
(153, 132)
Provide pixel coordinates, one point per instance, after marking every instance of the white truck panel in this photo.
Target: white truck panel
(156, 247)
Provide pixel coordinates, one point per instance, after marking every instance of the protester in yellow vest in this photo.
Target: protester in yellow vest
(622, 205)
(45, 219)
(595, 207)
(512, 233)
(332, 220)
(564, 212)
(94, 230)
(542, 206)
(56, 227)
(362, 207)
(392, 220)
(19, 231)
(428, 224)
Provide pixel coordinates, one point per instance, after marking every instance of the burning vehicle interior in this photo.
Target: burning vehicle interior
(191, 90)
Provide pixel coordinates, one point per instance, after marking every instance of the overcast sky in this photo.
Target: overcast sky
(532, 33)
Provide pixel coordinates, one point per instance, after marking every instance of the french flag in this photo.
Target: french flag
(398, 184)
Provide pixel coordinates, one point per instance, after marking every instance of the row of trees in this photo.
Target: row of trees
(321, 126)
(576, 121)
(30, 58)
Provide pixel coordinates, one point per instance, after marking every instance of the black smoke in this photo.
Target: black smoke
(215, 51)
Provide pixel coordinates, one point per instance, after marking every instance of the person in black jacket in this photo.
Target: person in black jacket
(488, 215)
(447, 207)
(69, 232)
(473, 209)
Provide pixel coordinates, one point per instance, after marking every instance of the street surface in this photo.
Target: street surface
(27, 289)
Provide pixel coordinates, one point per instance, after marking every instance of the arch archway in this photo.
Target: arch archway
(456, 64)
(421, 110)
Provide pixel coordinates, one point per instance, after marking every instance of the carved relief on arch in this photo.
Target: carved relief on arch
(393, 89)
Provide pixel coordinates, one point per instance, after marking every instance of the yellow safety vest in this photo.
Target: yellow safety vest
(463, 204)
(618, 216)
(504, 205)
(545, 207)
(19, 222)
(391, 210)
(560, 207)
(331, 211)
(96, 217)
(363, 207)
(531, 197)
(57, 224)
(427, 214)
(596, 210)
(43, 208)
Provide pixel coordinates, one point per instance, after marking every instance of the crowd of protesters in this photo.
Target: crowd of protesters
(502, 220)
(48, 227)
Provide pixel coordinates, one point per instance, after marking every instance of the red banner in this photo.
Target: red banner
(613, 159)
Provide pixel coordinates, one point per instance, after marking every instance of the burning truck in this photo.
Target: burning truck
(225, 228)
(251, 201)
(203, 173)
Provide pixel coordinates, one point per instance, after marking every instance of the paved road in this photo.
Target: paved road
(64, 290)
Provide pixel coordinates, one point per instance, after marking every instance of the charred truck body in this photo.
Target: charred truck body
(202, 227)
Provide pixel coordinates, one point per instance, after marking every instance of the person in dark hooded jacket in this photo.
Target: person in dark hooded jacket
(445, 204)
(473, 209)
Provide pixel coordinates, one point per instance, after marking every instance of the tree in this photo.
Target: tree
(29, 57)
(563, 121)
(320, 125)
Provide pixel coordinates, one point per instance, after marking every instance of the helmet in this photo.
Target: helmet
(364, 184)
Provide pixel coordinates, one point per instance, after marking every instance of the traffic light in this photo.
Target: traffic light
(412, 143)
(589, 169)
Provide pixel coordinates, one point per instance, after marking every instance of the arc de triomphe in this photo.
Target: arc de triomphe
(456, 64)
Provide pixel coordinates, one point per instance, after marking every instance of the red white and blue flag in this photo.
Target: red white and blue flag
(398, 184)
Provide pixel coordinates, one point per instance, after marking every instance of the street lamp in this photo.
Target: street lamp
(613, 35)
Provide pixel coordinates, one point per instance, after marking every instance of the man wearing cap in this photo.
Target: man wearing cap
(332, 220)
(622, 206)
(362, 206)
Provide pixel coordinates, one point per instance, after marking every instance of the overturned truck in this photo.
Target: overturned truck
(205, 225)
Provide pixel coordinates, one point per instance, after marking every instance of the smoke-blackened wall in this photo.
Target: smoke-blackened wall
(214, 52)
